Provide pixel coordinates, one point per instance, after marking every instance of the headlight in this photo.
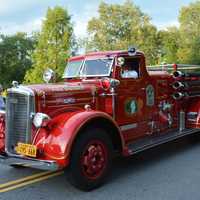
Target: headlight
(48, 75)
(39, 118)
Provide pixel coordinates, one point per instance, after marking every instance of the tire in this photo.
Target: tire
(91, 159)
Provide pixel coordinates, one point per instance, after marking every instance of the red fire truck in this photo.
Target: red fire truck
(109, 104)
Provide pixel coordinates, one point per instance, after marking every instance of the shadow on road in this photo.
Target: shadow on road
(149, 158)
(156, 171)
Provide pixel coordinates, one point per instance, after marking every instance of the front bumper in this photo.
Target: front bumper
(13, 159)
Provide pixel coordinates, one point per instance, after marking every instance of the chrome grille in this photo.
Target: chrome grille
(19, 106)
(192, 116)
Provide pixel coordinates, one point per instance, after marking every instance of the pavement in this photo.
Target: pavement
(168, 172)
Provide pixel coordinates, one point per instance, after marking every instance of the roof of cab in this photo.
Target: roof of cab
(101, 54)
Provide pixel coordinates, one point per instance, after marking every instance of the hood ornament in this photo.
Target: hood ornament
(49, 75)
(15, 84)
(87, 107)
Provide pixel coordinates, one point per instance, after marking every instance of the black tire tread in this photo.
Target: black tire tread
(74, 173)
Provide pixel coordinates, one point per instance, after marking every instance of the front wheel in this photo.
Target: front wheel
(91, 159)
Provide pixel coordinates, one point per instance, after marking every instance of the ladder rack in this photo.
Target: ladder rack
(172, 67)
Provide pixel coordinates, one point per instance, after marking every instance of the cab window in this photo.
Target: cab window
(131, 68)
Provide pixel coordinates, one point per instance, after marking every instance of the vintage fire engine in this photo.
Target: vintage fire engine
(109, 104)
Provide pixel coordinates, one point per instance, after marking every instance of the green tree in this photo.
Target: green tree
(189, 19)
(15, 57)
(54, 44)
(170, 44)
(119, 26)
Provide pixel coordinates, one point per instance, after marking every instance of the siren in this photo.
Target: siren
(132, 51)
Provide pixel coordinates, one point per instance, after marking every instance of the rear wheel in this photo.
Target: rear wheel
(91, 159)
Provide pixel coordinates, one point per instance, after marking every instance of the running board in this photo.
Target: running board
(156, 140)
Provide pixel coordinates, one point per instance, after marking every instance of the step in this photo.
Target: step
(158, 139)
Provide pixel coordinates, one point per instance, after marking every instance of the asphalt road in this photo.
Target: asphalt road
(170, 172)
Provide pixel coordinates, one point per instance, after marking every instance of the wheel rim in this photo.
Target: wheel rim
(94, 159)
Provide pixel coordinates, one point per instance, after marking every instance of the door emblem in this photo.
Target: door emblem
(150, 95)
(69, 100)
(131, 106)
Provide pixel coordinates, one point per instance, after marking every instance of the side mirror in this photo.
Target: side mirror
(120, 61)
(49, 75)
(114, 83)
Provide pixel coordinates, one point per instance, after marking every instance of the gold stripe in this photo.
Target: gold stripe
(31, 181)
(25, 179)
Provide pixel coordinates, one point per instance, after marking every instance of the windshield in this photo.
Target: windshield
(90, 68)
(73, 69)
(98, 67)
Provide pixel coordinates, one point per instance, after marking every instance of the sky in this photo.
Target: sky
(27, 15)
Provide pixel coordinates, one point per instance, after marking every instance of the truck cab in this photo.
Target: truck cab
(109, 104)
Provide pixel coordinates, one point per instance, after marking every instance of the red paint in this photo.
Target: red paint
(106, 84)
(2, 132)
(94, 159)
(55, 140)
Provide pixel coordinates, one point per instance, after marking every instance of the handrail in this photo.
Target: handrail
(172, 67)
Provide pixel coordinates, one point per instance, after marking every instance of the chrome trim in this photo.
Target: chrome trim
(153, 140)
(178, 95)
(192, 113)
(192, 116)
(25, 91)
(178, 74)
(112, 90)
(21, 90)
(10, 159)
(78, 69)
(181, 121)
(170, 67)
(2, 112)
(96, 75)
(192, 120)
(128, 127)
(176, 85)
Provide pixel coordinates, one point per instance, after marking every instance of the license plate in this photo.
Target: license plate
(26, 149)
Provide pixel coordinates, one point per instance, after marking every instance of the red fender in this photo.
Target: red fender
(64, 129)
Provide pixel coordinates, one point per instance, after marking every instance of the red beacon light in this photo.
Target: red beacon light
(105, 83)
(175, 67)
(109, 83)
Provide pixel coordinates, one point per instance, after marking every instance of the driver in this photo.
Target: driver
(130, 74)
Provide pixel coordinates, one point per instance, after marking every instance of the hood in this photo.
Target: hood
(51, 98)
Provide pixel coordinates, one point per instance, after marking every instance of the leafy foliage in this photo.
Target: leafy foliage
(189, 18)
(119, 26)
(15, 57)
(170, 44)
(53, 47)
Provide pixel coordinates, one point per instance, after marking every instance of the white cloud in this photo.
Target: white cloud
(81, 20)
(80, 28)
(164, 26)
(27, 27)
(8, 6)
(26, 15)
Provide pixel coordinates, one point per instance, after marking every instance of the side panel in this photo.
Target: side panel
(193, 114)
(58, 142)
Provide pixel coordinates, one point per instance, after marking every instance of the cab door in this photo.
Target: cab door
(135, 99)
